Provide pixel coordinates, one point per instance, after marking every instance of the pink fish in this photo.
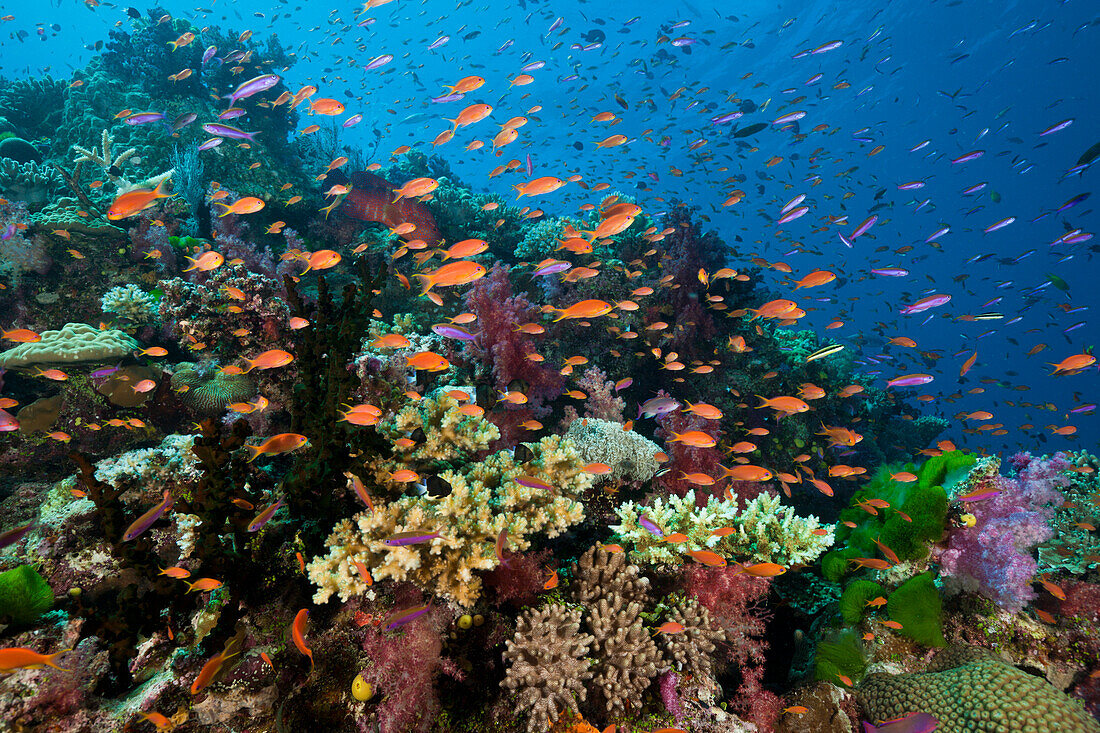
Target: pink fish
(912, 723)
(932, 301)
(910, 380)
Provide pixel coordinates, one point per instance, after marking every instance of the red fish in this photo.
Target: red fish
(371, 199)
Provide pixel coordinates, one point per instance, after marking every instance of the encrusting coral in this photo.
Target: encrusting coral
(765, 531)
(968, 689)
(484, 500)
(73, 343)
(547, 664)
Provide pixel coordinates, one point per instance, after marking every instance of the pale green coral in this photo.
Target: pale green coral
(484, 500)
(764, 531)
(630, 455)
(172, 460)
(448, 433)
(1074, 549)
(130, 301)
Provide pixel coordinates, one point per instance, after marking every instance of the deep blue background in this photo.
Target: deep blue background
(1012, 68)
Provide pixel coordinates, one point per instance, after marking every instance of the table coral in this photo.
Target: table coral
(766, 531)
(484, 500)
(967, 689)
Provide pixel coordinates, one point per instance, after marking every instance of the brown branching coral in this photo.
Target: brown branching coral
(628, 657)
(690, 650)
(547, 665)
(602, 574)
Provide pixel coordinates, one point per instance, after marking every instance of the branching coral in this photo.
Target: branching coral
(131, 302)
(484, 500)
(764, 530)
(171, 461)
(690, 650)
(112, 166)
(628, 656)
(547, 664)
(449, 434)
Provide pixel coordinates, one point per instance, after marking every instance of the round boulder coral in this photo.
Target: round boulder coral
(967, 689)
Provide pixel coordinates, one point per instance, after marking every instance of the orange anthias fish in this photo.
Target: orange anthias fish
(133, 202)
(584, 309)
(17, 657)
(210, 670)
(453, 273)
(277, 444)
(297, 634)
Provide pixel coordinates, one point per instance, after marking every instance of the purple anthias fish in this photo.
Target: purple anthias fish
(451, 331)
(103, 373)
(229, 131)
(793, 214)
(1056, 127)
(449, 98)
(831, 45)
(209, 53)
(910, 380)
(378, 61)
(912, 723)
(979, 495)
(683, 41)
(932, 301)
(792, 117)
(409, 538)
(439, 42)
(353, 120)
(232, 113)
(13, 535)
(264, 516)
(183, 121)
(862, 228)
(657, 406)
(975, 188)
(999, 225)
(552, 267)
(967, 157)
(650, 526)
(145, 521)
(399, 618)
(891, 272)
(938, 233)
(911, 186)
(723, 119)
(211, 143)
(255, 85)
(533, 66)
(142, 118)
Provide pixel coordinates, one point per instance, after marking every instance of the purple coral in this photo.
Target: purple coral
(994, 556)
(666, 683)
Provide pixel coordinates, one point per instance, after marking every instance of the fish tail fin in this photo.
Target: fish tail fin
(255, 450)
(227, 208)
(561, 317)
(50, 660)
(763, 402)
(426, 282)
(173, 44)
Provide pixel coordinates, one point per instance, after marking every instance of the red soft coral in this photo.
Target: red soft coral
(520, 581)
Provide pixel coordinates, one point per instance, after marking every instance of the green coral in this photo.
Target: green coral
(24, 595)
(449, 434)
(917, 606)
(764, 530)
(1073, 548)
(208, 390)
(853, 601)
(840, 655)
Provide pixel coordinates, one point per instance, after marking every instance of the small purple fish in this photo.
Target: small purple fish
(847, 242)
(533, 483)
(650, 526)
(862, 228)
(142, 118)
(353, 120)
(967, 157)
(1056, 127)
(793, 214)
(911, 186)
(978, 495)
(937, 234)
(683, 41)
(229, 131)
(728, 117)
(103, 373)
(932, 301)
(208, 54)
(918, 146)
(831, 45)
(438, 42)
(255, 85)
(505, 45)
(211, 143)
(232, 113)
(451, 331)
(623, 383)
(552, 267)
(555, 25)
(910, 380)
(13, 535)
(657, 406)
(912, 723)
(999, 224)
(264, 516)
(454, 97)
(533, 66)
(145, 521)
(183, 121)
(891, 272)
(378, 61)
(406, 615)
(974, 189)
(791, 117)
(402, 539)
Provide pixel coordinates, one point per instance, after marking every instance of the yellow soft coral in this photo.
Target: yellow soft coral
(484, 499)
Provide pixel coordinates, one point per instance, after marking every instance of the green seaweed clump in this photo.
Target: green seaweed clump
(24, 595)
(853, 601)
(840, 657)
(917, 606)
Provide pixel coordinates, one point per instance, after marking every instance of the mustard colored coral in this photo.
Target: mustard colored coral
(484, 499)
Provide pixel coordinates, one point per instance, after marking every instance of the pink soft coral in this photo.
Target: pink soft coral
(994, 556)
